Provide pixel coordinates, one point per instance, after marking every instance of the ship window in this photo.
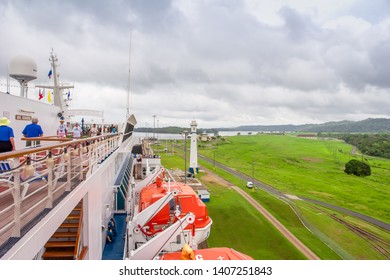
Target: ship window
(172, 206)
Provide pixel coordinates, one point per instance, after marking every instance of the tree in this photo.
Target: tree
(357, 168)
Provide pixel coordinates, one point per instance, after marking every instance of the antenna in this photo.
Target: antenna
(128, 81)
(154, 126)
(8, 80)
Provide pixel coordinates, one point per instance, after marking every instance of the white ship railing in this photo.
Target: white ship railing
(40, 176)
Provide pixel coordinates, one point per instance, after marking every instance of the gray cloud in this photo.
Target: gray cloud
(217, 61)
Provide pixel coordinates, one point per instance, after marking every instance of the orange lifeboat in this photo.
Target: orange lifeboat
(222, 253)
(185, 201)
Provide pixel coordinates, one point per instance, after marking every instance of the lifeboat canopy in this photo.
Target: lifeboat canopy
(222, 253)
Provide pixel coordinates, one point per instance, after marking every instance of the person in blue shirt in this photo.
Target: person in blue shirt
(32, 130)
(7, 142)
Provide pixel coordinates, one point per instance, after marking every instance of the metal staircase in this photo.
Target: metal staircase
(66, 242)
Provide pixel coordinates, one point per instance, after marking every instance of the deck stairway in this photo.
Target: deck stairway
(64, 243)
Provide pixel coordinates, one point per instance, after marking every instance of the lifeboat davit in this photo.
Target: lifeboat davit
(161, 206)
(184, 201)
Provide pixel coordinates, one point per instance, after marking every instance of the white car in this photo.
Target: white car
(249, 185)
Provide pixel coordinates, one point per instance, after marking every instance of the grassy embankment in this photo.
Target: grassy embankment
(311, 168)
(236, 224)
(314, 168)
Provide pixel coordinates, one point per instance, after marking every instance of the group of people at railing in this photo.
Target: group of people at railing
(34, 130)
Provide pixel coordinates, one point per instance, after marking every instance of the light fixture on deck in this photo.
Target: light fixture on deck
(76, 151)
(29, 169)
(66, 154)
(50, 160)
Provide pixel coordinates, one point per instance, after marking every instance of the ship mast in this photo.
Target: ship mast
(56, 87)
(56, 90)
(128, 81)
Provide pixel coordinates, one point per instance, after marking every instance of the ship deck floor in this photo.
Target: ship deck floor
(114, 250)
(33, 217)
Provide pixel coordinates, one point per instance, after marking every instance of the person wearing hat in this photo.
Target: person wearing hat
(94, 131)
(62, 130)
(32, 130)
(7, 142)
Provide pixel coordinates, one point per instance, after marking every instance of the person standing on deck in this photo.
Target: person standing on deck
(32, 130)
(76, 131)
(7, 142)
(62, 130)
(94, 131)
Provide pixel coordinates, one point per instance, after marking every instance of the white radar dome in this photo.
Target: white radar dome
(23, 68)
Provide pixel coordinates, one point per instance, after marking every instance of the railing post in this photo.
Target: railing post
(98, 151)
(102, 149)
(107, 147)
(91, 153)
(17, 201)
(81, 152)
(69, 174)
(50, 186)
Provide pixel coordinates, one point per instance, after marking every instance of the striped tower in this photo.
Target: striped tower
(193, 150)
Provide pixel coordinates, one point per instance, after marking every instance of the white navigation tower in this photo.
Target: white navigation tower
(193, 150)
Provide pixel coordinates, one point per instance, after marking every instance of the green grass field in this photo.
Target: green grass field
(310, 168)
(238, 225)
(306, 167)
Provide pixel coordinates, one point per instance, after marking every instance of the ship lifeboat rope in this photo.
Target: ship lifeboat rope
(177, 212)
(149, 233)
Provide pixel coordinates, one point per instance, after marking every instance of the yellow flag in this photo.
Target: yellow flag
(48, 96)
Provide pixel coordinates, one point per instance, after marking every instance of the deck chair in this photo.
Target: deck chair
(7, 177)
(5, 167)
(25, 181)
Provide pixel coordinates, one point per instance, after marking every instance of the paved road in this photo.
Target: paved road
(276, 192)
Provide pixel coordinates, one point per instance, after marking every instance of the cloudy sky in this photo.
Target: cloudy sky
(222, 63)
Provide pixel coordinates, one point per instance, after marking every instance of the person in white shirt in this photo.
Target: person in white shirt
(94, 130)
(62, 130)
(76, 131)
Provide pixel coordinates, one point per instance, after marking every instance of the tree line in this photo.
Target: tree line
(369, 144)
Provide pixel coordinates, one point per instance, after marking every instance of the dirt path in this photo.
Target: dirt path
(212, 177)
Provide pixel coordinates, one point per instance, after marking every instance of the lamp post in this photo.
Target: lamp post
(185, 156)
(214, 159)
(154, 126)
(253, 173)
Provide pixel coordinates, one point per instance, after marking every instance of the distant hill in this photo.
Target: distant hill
(368, 125)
